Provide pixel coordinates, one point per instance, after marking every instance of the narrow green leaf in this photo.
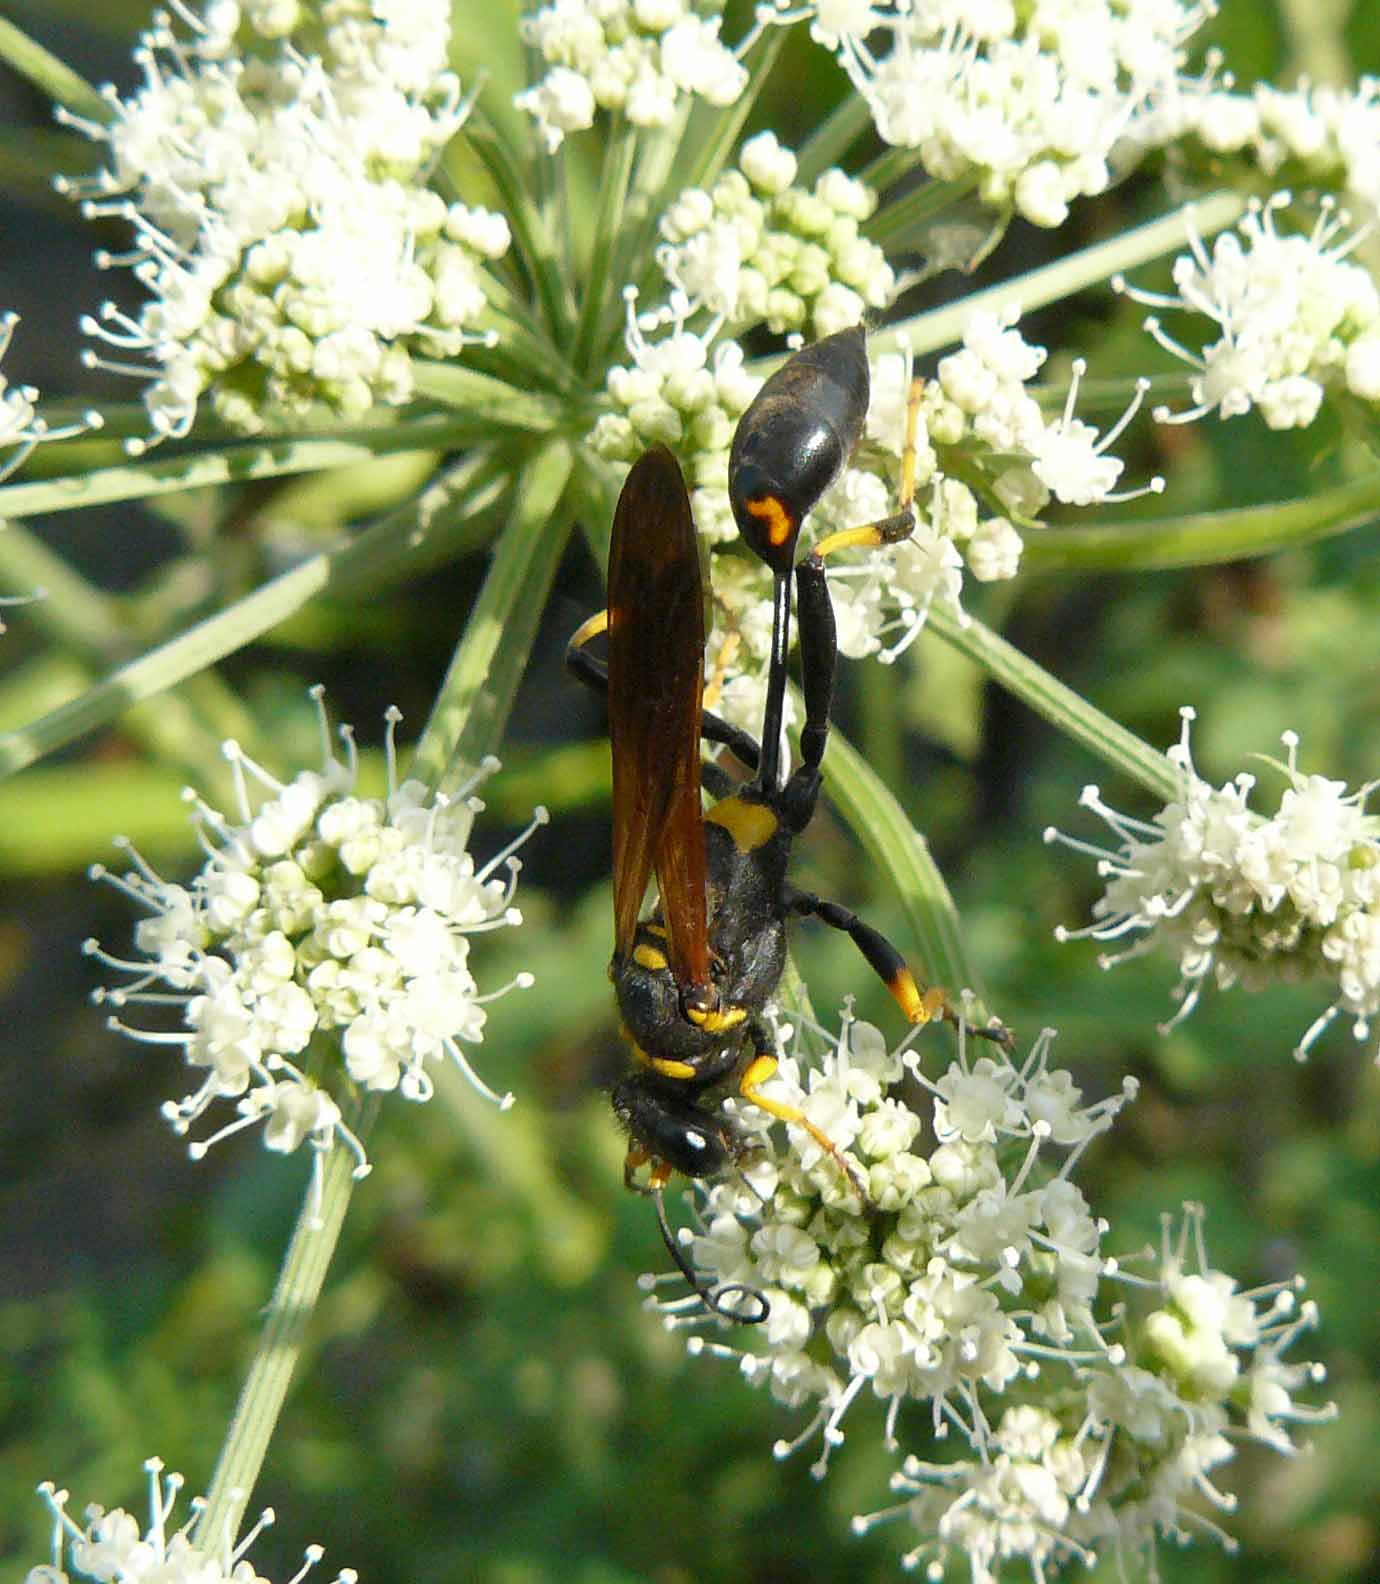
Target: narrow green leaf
(620, 149)
(832, 138)
(942, 327)
(468, 390)
(898, 850)
(237, 463)
(403, 543)
(474, 701)
(57, 79)
(913, 209)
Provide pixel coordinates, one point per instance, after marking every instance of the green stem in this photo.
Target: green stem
(943, 326)
(619, 152)
(243, 461)
(704, 157)
(1207, 537)
(55, 77)
(394, 547)
(531, 230)
(894, 221)
(832, 138)
(468, 390)
(185, 730)
(265, 1387)
(530, 358)
(73, 611)
(889, 166)
(474, 701)
(1060, 705)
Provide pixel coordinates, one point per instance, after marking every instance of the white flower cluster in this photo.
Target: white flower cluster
(282, 219)
(327, 932)
(114, 1548)
(643, 57)
(1027, 100)
(22, 430)
(757, 249)
(1314, 134)
(977, 407)
(1295, 318)
(20, 426)
(1241, 898)
(973, 1273)
(677, 394)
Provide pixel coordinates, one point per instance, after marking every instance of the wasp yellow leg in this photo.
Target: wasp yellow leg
(901, 524)
(589, 628)
(728, 652)
(759, 1071)
(919, 1006)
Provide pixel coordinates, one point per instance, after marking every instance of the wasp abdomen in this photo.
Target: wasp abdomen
(794, 439)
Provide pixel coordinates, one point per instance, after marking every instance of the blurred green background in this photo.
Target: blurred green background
(483, 1398)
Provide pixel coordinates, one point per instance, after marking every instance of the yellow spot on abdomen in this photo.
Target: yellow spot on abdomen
(670, 1069)
(775, 519)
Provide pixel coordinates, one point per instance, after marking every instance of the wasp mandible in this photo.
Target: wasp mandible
(692, 980)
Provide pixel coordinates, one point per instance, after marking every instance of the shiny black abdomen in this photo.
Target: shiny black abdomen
(796, 435)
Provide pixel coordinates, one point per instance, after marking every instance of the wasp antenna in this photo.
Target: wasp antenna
(994, 1030)
(713, 1298)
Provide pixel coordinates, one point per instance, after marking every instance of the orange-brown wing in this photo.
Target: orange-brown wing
(656, 688)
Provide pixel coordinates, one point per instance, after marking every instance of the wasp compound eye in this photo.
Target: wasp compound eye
(793, 441)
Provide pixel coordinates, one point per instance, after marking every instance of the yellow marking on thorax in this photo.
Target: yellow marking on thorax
(671, 1069)
(779, 523)
(751, 825)
(649, 957)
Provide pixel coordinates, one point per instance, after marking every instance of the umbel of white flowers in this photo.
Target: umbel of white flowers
(113, 1548)
(275, 168)
(21, 428)
(1093, 1398)
(327, 936)
(1243, 898)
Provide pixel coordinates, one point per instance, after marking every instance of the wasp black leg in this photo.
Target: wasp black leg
(819, 653)
(881, 956)
(593, 673)
(919, 1006)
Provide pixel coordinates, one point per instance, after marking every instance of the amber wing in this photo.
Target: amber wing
(656, 687)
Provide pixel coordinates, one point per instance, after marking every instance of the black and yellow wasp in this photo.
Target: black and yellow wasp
(693, 979)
